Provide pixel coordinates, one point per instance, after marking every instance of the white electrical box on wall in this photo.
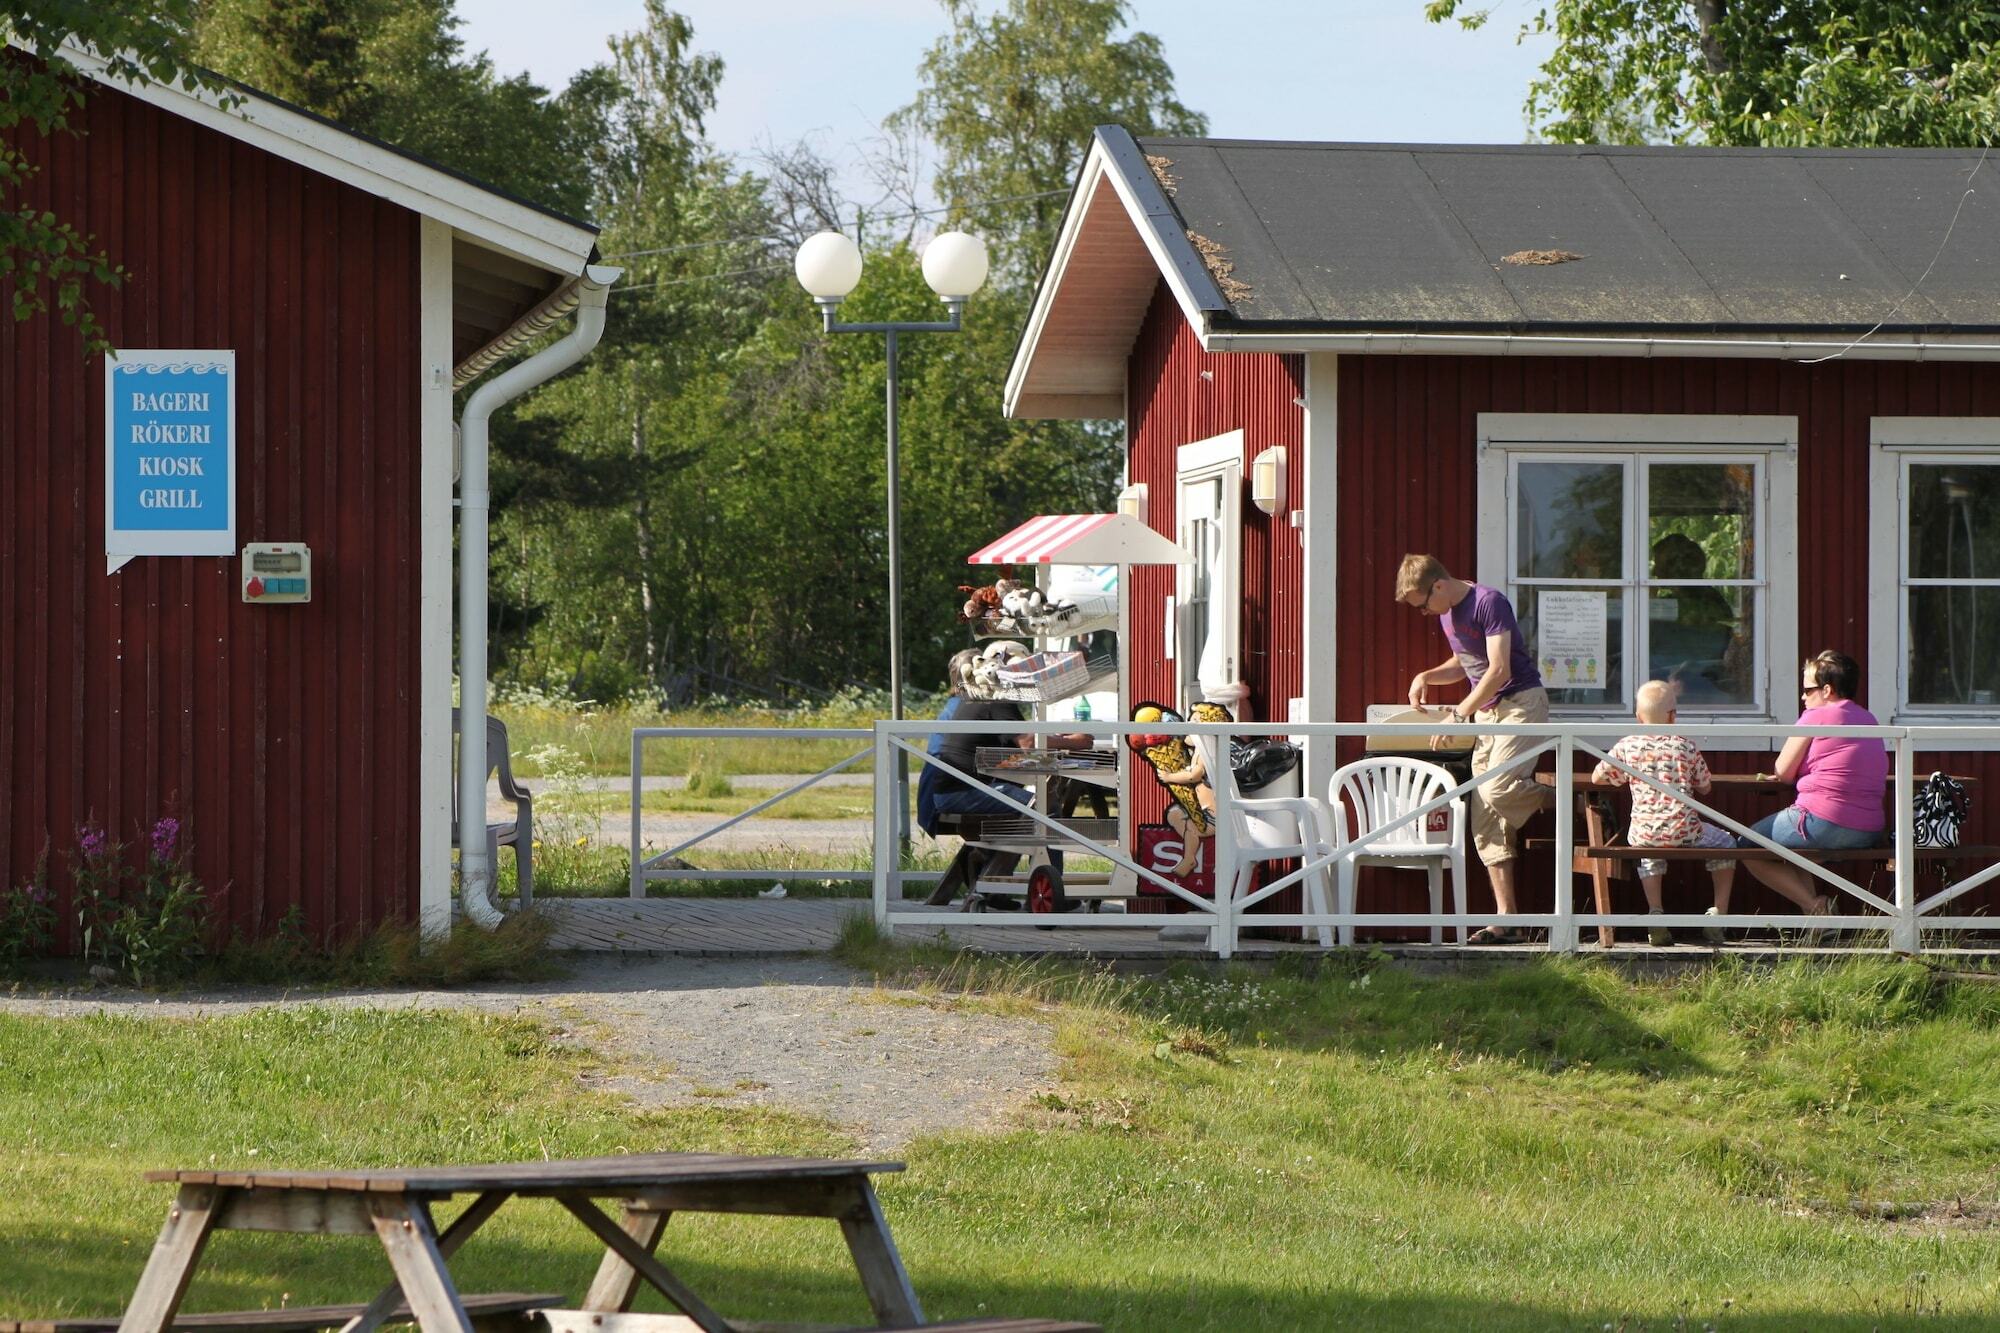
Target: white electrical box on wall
(277, 572)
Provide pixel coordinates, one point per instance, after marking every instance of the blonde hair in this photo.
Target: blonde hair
(1654, 700)
(1417, 573)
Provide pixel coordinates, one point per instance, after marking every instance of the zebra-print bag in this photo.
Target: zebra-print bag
(1940, 807)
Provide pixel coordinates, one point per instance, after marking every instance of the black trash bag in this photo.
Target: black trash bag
(1261, 762)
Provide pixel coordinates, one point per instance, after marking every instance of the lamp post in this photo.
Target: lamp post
(828, 266)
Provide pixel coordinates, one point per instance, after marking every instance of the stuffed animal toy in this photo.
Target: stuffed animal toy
(982, 603)
(1020, 600)
(986, 667)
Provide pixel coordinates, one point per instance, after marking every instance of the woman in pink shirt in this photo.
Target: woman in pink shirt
(1840, 780)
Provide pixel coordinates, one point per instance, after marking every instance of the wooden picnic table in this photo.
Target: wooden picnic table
(1597, 827)
(394, 1204)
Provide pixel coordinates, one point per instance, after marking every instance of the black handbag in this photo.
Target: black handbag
(1261, 762)
(1940, 807)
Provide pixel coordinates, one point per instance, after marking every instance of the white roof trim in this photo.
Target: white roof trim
(512, 228)
(1097, 169)
(1776, 347)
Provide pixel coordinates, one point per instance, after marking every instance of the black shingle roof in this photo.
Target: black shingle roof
(1413, 238)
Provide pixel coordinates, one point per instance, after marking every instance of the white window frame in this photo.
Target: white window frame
(1771, 442)
(1218, 458)
(1896, 443)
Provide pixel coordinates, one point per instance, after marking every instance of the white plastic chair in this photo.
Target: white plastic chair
(1273, 828)
(1376, 793)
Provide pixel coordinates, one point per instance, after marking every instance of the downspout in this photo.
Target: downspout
(475, 870)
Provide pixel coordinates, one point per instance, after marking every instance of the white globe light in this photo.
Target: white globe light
(828, 265)
(955, 264)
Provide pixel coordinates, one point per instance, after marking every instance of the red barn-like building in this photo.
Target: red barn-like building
(306, 748)
(1559, 369)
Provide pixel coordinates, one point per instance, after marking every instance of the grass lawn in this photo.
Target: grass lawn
(1534, 1146)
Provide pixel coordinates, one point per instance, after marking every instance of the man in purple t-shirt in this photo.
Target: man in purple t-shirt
(1488, 651)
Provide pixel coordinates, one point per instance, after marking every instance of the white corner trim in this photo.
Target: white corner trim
(516, 229)
(1320, 576)
(1934, 433)
(434, 793)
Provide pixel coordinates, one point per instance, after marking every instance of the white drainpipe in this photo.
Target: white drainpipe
(475, 873)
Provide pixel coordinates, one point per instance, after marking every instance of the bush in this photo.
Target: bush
(150, 925)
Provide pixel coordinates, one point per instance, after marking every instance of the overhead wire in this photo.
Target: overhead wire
(861, 215)
(1937, 255)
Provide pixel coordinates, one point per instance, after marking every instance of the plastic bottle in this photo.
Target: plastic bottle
(1083, 708)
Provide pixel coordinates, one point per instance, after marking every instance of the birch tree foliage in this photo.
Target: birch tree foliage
(1777, 73)
(1010, 98)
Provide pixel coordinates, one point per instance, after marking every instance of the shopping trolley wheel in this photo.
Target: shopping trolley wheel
(1045, 893)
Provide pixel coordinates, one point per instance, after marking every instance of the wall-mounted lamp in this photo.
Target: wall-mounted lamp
(1267, 479)
(1132, 501)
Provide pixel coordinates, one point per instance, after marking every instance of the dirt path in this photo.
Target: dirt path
(803, 1035)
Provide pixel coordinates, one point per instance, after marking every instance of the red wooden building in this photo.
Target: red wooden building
(306, 748)
(1558, 369)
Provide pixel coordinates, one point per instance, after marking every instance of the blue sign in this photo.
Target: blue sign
(169, 454)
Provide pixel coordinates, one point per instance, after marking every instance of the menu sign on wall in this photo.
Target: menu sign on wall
(1570, 630)
(169, 454)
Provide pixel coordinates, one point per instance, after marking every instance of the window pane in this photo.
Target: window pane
(1954, 646)
(1571, 521)
(1527, 605)
(1704, 639)
(1703, 520)
(1954, 520)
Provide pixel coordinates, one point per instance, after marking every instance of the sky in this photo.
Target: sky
(830, 70)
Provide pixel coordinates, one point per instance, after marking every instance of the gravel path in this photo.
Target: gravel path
(803, 1035)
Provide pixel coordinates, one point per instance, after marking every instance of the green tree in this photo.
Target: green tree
(1010, 100)
(43, 257)
(399, 71)
(1889, 73)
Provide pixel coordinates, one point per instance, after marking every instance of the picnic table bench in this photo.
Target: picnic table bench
(496, 1313)
(394, 1204)
(1604, 855)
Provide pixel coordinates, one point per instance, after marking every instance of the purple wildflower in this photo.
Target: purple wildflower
(90, 841)
(166, 834)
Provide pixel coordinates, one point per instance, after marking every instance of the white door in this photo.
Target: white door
(1209, 597)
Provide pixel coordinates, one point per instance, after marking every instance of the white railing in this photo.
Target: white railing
(655, 867)
(1904, 919)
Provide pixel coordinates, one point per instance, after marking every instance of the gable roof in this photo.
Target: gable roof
(514, 264)
(1298, 246)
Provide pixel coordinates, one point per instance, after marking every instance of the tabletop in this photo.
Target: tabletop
(587, 1174)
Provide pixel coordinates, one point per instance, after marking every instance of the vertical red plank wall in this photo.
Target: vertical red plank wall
(1179, 394)
(1408, 480)
(283, 738)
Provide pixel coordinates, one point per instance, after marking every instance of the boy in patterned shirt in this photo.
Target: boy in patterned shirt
(1658, 820)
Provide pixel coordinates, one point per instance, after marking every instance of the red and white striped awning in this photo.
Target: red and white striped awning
(1081, 539)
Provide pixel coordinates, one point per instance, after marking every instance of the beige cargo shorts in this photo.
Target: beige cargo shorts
(1502, 806)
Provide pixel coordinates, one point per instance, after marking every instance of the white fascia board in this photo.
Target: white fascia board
(515, 229)
(1097, 169)
(1045, 299)
(1775, 347)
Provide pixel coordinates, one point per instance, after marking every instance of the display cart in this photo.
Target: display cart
(1092, 620)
